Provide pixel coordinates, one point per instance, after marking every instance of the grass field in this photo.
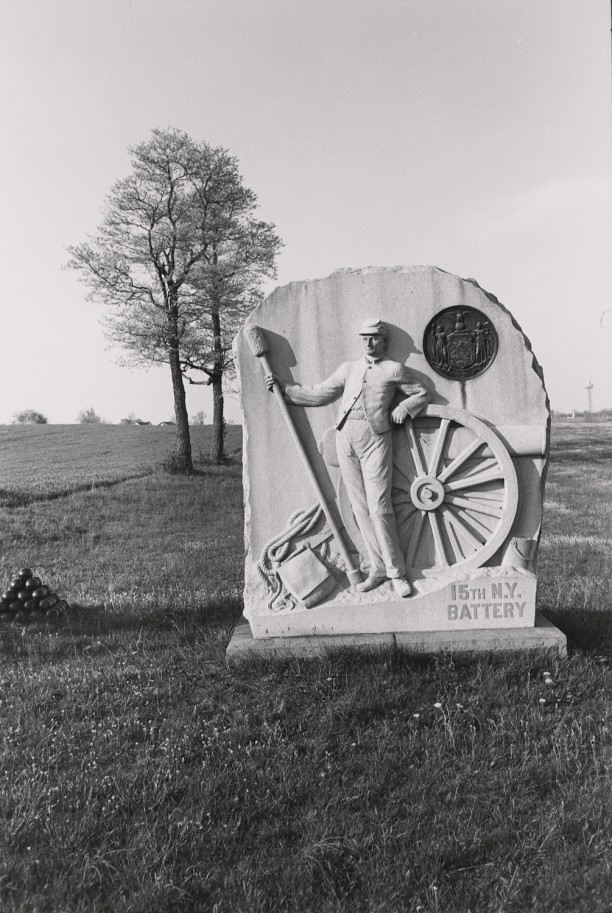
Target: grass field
(140, 773)
(48, 461)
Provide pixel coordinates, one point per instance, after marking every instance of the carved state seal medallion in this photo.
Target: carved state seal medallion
(460, 343)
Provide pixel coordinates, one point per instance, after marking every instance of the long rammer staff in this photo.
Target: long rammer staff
(259, 348)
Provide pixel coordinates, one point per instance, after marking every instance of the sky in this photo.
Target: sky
(472, 135)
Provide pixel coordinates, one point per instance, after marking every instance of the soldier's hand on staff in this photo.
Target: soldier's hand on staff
(272, 379)
(399, 415)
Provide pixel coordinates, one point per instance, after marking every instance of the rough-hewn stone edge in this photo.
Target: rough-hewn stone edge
(543, 637)
(534, 363)
(538, 370)
(246, 485)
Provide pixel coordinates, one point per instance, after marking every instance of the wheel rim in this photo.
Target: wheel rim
(455, 491)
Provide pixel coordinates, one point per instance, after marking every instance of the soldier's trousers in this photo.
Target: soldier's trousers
(366, 464)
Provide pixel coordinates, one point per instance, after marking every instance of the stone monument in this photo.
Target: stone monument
(396, 440)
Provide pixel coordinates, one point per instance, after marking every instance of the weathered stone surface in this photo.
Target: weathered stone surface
(544, 636)
(310, 328)
(497, 598)
(244, 646)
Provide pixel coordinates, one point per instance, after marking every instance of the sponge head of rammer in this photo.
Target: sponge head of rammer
(256, 340)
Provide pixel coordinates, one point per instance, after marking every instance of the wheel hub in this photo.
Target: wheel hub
(427, 493)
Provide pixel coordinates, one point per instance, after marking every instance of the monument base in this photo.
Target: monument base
(543, 636)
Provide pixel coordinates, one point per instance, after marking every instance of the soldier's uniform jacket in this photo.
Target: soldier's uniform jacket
(376, 382)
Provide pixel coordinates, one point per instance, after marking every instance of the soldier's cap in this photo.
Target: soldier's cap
(372, 326)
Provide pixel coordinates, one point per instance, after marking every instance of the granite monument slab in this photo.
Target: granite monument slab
(396, 440)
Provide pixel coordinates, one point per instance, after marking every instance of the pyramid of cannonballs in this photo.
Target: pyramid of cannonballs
(28, 599)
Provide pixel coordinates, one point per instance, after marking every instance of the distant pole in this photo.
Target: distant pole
(589, 389)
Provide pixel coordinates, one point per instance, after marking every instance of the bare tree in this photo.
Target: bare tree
(179, 260)
(199, 418)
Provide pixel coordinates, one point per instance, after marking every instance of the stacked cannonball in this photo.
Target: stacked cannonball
(28, 599)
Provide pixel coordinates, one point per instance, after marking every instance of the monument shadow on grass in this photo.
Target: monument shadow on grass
(589, 631)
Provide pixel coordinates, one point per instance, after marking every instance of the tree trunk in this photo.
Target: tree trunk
(183, 457)
(218, 441)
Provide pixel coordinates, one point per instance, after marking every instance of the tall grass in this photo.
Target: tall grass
(141, 773)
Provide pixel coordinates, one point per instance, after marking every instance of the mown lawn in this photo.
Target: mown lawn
(140, 773)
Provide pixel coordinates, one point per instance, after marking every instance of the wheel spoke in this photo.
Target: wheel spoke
(481, 466)
(401, 485)
(406, 520)
(460, 460)
(493, 497)
(459, 551)
(441, 560)
(404, 498)
(476, 526)
(461, 532)
(439, 446)
(414, 537)
(404, 473)
(469, 532)
(415, 449)
(477, 506)
(492, 476)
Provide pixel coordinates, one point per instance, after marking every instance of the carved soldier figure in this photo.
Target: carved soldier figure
(364, 443)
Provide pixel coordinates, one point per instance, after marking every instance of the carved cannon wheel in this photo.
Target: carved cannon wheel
(455, 491)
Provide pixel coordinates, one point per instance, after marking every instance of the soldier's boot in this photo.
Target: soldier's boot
(370, 583)
(402, 587)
